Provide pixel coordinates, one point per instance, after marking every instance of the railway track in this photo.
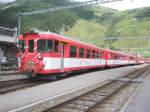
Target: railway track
(14, 85)
(9, 73)
(100, 99)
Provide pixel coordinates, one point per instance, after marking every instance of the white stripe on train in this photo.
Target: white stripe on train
(55, 63)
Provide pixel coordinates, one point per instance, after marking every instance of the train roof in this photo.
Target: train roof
(120, 52)
(66, 39)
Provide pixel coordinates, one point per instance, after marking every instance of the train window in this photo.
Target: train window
(100, 54)
(93, 54)
(81, 53)
(110, 56)
(44, 45)
(113, 57)
(73, 51)
(88, 53)
(56, 46)
(97, 54)
(131, 58)
(116, 57)
(31, 46)
(22, 45)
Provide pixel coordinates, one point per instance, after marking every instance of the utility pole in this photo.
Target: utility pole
(19, 24)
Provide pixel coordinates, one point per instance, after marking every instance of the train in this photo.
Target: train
(46, 54)
(147, 60)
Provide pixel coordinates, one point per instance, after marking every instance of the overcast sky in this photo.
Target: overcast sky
(127, 4)
(5, 1)
(122, 5)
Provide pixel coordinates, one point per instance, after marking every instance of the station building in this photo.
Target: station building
(8, 48)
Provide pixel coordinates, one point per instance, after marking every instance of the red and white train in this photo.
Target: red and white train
(49, 54)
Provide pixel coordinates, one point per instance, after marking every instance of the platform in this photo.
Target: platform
(11, 75)
(141, 101)
(30, 96)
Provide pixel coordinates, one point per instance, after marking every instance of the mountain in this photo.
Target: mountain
(52, 21)
(1, 4)
(125, 26)
(92, 24)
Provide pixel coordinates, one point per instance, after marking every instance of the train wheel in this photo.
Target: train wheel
(61, 75)
(31, 76)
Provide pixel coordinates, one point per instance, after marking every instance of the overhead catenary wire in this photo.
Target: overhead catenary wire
(58, 8)
(68, 6)
(123, 38)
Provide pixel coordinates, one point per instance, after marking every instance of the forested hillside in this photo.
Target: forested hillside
(116, 24)
(1, 5)
(52, 21)
(92, 24)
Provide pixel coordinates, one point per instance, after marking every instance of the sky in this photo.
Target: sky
(5, 1)
(126, 4)
(121, 5)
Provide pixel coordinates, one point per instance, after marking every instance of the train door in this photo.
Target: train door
(63, 48)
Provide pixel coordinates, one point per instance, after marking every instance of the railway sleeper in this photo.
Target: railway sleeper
(139, 80)
(65, 109)
(104, 93)
(84, 102)
(77, 106)
(96, 97)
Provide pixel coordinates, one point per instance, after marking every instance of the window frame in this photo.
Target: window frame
(88, 53)
(56, 49)
(73, 51)
(81, 52)
(23, 46)
(93, 53)
(51, 48)
(29, 47)
(97, 54)
(100, 54)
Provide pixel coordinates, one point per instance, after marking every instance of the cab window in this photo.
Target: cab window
(31, 46)
(56, 46)
(22, 45)
(44, 45)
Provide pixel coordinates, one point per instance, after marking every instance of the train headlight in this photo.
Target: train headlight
(30, 64)
(22, 56)
(40, 57)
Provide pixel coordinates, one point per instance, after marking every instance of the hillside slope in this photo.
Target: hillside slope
(52, 21)
(90, 24)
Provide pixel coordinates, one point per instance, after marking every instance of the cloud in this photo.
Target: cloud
(126, 4)
(6, 1)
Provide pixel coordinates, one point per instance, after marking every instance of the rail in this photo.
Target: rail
(89, 102)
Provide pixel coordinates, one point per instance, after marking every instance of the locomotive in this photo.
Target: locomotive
(44, 54)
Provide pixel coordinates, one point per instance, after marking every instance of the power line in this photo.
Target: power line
(58, 8)
(68, 6)
(123, 38)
